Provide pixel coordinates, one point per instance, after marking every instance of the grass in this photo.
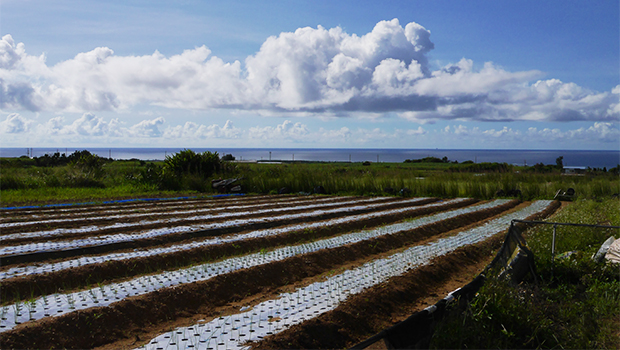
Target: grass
(32, 185)
(22, 182)
(421, 179)
(573, 305)
(38, 196)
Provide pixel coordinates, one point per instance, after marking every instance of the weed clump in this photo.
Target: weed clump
(573, 303)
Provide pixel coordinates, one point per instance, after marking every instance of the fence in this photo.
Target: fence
(514, 260)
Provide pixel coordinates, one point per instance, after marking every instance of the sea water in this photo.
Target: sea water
(572, 158)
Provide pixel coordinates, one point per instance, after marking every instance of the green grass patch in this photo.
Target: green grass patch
(26, 180)
(47, 195)
(573, 304)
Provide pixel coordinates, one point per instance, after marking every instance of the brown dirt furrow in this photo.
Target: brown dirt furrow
(186, 236)
(382, 306)
(78, 277)
(85, 213)
(145, 202)
(136, 316)
(162, 215)
(86, 209)
(154, 225)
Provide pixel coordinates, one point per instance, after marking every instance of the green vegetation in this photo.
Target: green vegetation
(572, 304)
(84, 176)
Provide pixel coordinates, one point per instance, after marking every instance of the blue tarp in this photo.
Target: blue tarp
(117, 201)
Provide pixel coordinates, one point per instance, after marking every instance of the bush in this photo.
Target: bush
(55, 159)
(186, 170)
(196, 183)
(228, 157)
(84, 181)
(189, 162)
(572, 304)
(428, 160)
(11, 183)
(151, 174)
(89, 164)
(481, 167)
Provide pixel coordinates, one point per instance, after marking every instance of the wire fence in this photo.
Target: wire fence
(514, 260)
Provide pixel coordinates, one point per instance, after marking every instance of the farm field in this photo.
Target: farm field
(238, 271)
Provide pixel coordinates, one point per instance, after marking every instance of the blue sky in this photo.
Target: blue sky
(350, 74)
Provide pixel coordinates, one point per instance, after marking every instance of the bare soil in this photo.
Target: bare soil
(133, 321)
(113, 271)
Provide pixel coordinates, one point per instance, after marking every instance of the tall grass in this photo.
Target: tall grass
(573, 304)
(356, 179)
(37, 185)
(417, 179)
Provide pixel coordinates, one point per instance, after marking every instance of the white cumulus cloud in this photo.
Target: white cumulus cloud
(17, 130)
(15, 124)
(311, 71)
(285, 131)
(192, 130)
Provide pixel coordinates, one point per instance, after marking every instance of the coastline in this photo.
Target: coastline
(572, 158)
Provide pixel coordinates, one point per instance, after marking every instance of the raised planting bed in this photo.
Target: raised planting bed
(268, 265)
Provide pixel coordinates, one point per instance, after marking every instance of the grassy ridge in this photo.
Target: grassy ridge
(22, 182)
(421, 180)
(573, 305)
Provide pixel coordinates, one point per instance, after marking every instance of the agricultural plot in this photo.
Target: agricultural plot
(218, 273)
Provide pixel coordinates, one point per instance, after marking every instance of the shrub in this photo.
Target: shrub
(90, 164)
(189, 162)
(572, 304)
(151, 174)
(84, 181)
(11, 183)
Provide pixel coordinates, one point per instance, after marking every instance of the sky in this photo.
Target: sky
(412, 74)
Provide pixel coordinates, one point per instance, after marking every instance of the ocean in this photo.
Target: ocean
(593, 159)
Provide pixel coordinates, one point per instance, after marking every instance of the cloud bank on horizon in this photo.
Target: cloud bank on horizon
(89, 128)
(309, 72)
